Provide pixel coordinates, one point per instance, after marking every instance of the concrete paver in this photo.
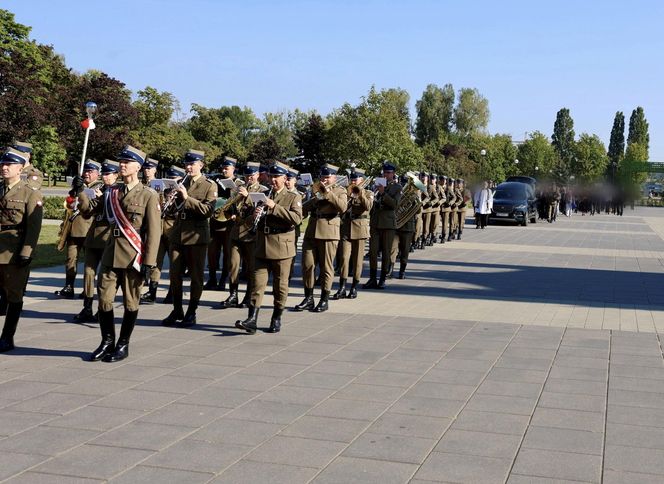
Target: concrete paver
(514, 355)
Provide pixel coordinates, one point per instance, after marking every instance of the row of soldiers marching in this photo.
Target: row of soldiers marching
(250, 222)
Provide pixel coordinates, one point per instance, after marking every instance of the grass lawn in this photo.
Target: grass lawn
(46, 254)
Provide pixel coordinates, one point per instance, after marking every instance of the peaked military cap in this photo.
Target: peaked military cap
(292, 173)
(192, 156)
(328, 169)
(151, 163)
(110, 166)
(175, 172)
(251, 167)
(12, 155)
(228, 161)
(22, 146)
(129, 153)
(387, 166)
(357, 173)
(279, 168)
(91, 165)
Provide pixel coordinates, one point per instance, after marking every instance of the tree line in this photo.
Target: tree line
(42, 100)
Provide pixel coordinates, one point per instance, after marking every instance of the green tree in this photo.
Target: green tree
(471, 114)
(310, 140)
(638, 131)
(562, 141)
(616, 152)
(208, 126)
(635, 153)
(48, 154)
(154, 107)
(375, 130)
(536, 156)
(435, 111)
(590, 158)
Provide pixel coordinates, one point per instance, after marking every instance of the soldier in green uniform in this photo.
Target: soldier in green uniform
(96, 240)
(436, 201)
(322, 237)
(220, 233)
(444, 208)
(243, 237)
(383, 226)
(419, 223)
(402, 240)
(21, 213)
(427, 211)
(453, 201)
(32, 175)
(291, 186)
(354, 234)
(275, 248)
(79, 230)
(197, 197)
(130, 252)
(463, 198)
(149, 171)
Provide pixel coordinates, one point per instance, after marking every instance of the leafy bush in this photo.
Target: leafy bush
(54, 207)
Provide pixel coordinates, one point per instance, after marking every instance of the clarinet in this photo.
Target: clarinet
(170, 200)
(261, 213)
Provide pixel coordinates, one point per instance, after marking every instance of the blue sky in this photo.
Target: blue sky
(528, 58)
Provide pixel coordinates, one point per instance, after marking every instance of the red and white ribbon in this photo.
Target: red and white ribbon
(127, 228)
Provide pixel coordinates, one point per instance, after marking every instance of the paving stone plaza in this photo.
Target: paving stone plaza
(514, 355)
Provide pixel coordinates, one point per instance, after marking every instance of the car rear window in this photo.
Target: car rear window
(510, 194)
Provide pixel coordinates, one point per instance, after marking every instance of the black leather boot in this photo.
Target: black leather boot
(308, 301)
(246, 300)
(450, 237)
(275, 321)
(249, 324)
(459, 235)
(402, 271)
(231, 301)
(211, 284)
(67, 292)
(151, 295)
(86, 315)
(9, 329)
(107, 345)
(341, 293)
(381, 282)
(3, 302)
(371, 283)
(352, 294)
(322, 305)
(189, 318)
(420, 242)
(168, 299)
(177, 314)
(442, 238)
(122, 346)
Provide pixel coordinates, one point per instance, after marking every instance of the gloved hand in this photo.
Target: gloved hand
(77, 184)
(24, 261)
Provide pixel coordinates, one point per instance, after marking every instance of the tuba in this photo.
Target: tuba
(411, 201)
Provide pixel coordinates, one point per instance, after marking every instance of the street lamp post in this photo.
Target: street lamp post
(483, 157)
(516, 166)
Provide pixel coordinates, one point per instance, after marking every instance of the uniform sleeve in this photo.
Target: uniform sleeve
(152, 225)
(365, 200)
(202, 209)
(392, 196)
(291, 213)
(34, 212)
(88, 207)
(337, 198)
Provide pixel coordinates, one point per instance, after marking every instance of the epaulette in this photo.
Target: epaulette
(149, 188)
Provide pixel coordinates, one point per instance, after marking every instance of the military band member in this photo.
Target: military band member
(32, 175)
(291, 186)
(96, 240)
(444, 207)
(263, 173)
(463, 199)
(149, 170)
(21, 213)
(450, 194)
(322, 237)
(436, 202)
(243, 236)
(196, 200)
(79, 228)
(275, 249)
(402, 240)
(220, 233)
(130, 251)
(354, 233)
(383, 226)
(427, 210)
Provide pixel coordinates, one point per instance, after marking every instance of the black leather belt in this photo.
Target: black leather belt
(327, 216)
(358, 217)
(9, 227)
(276, 230)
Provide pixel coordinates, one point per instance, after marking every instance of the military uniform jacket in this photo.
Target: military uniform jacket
(355, 223)
(297, 227)
(452, 201)
(100, 230)
(33, 176)
(244, 217)
(432, 193)
(462, 199)
(442, 198)
(409, 226)
(81, 225)
(21, 213)
(383, 215)
(276, 232)
(192, 226)
(324, 222)
(141, 206)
